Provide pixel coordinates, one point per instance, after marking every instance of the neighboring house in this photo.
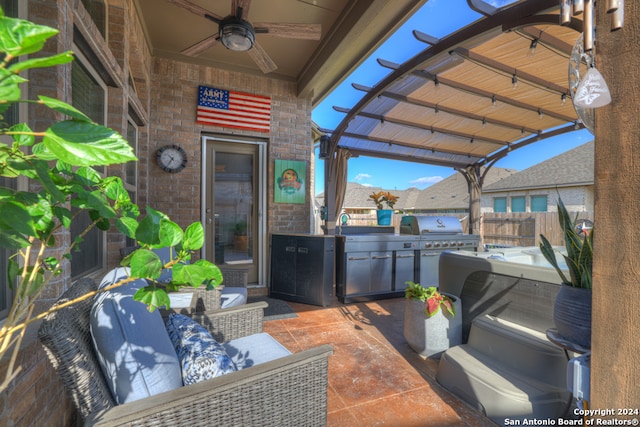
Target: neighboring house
(451, 195)
(536, 189)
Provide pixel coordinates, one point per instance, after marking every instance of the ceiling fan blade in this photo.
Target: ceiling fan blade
(201, 46)
(291, 31)
(197, 10)
(240, 7)
(261, 58)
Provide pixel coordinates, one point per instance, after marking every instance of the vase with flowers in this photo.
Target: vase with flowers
(380, 199)
(430, 322)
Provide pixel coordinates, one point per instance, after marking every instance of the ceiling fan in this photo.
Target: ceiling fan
(236, 33)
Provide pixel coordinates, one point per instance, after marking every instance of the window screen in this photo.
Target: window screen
(499, 204)
(539, 203)
(89, 97)
(518, 204)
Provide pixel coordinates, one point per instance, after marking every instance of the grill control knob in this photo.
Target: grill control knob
(445, 244)
(427, 245)
(460, 243)
(436, 245)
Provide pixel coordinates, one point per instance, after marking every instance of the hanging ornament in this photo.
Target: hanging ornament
(592, 92)
(577, 60)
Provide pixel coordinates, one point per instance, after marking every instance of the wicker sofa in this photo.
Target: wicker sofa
(289, 391)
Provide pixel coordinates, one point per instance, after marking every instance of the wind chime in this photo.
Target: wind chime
(591, 90)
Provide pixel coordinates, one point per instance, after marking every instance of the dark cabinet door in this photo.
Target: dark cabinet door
(302, 268)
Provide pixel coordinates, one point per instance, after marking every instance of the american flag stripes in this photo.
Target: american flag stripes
(219, 107)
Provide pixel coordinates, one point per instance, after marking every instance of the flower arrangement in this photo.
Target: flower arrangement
(383, 197)
(432, 298)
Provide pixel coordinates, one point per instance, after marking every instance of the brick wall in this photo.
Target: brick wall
(162, 96)
(173, 120)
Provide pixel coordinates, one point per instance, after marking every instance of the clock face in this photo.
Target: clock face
(171, 158)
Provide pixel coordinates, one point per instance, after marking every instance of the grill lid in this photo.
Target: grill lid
(423, 224)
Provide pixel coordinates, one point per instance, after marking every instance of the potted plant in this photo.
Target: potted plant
(58, 163)
(572, 308)
(430, 322)
(380, 198)
(240, 239)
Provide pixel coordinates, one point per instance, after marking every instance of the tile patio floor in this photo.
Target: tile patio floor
(375, 379)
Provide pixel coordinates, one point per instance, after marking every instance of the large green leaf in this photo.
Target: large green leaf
(145, 263)
(197, 273)
(148, 230)
(153, 297)
(20, 37)
(86, 144)
(170, 233)
(9, 89)
(64, 108)
(9, 239)
(127, 226)
(24, 136)
(15, 216)
(193, 237)
(49, 61)
(42, 169)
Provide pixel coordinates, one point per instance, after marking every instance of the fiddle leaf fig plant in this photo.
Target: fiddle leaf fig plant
(58, 163)
(579, 247)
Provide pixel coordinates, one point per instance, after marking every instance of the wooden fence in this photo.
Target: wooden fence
(513, 229)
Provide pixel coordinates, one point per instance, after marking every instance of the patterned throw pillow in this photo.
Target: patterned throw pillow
(201, 357)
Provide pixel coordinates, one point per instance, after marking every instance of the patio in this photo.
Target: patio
(374, 377)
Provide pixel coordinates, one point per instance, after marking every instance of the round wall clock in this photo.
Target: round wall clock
(171, 158)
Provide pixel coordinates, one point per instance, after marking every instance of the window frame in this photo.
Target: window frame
(522, 199)
(15, 9)
(539, 197)
(501, 199)
(87, 66)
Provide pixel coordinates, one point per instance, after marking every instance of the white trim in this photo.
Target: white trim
(261, 196)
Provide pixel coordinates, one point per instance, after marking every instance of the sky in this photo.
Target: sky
(434, 18)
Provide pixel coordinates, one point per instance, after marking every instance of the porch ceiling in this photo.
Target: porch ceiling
(455, 103)
(350, 31)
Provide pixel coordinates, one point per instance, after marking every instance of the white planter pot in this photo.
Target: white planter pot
(432, 336)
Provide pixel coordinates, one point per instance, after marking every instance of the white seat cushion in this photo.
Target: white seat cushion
(254, 350)
(233, 296)
(135, 353)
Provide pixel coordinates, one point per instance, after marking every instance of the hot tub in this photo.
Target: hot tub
(516, 284)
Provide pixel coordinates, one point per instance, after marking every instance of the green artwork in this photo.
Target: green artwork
(289, 181)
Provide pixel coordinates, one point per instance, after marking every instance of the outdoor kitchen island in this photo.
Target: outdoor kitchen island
(376, 265)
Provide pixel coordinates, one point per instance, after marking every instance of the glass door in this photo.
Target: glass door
(232, 212)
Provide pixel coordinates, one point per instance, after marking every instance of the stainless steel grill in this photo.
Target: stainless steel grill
(377, 265)
(437, 233)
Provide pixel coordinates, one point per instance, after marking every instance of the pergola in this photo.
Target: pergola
(467, 100)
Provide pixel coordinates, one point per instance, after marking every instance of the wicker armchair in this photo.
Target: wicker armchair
(290, 391)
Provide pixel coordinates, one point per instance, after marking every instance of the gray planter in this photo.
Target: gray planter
(430, 337)
(572, 315)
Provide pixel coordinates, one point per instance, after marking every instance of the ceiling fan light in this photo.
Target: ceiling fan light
(236, 34)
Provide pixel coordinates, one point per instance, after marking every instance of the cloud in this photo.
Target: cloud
(426, 180)
(362, 177)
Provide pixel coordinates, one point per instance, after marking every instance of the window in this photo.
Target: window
(98, 12)
(88, 94)
(518, 204)
(499, 204)
(539, 203)
(131, 168)
(8, 118)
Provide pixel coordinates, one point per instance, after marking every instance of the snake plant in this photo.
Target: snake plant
(579, 247)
